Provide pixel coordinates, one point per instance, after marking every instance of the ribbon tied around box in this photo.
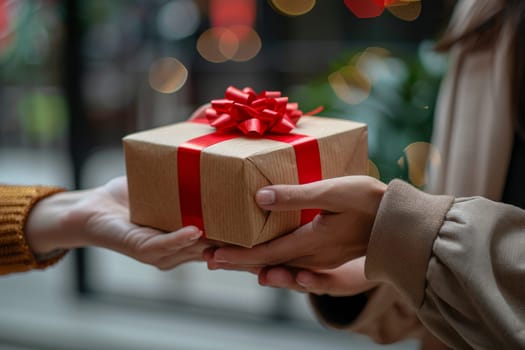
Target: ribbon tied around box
(244, 113)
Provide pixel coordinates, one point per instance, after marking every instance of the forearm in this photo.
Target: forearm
(49, 222)
(51, 225)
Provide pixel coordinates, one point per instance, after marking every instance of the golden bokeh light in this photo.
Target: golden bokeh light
(236, 43)
(208, 45)
(373, 62)
(373, 170)
(167, 75)
(292, 7)
(418, 158)
(228, 42)
(350, 84)
(407, 10)
(249, 43)
(373, 53)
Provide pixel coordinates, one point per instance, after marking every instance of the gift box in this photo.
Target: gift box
(206, 171)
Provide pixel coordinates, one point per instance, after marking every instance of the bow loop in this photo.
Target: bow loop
(253, 114)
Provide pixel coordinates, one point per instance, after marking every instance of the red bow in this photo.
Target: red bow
(253, 114)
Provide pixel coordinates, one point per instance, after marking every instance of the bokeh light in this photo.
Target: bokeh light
(350, 84)
(381, 66)
(167, 75)
(8, 14)
(228, 42)
(407, 10)
(292, 7)
(178, 19)
(4, 18)
(236, 43)
(249, 43)
(366, 8)
(210, 47)
(226, 13)
(418, 158)
(231, 36)
(434, 62)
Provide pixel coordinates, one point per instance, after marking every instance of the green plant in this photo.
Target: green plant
(393, 92)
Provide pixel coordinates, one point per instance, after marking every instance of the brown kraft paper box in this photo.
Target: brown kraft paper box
(230, 174)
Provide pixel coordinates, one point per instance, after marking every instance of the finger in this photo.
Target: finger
(192, 253)
(172, 261)
(207, 254)
(176, 240)
(213, 265)
(325, 194)
(349, 279)
(230, 267)
(288, 247)
(280, 277)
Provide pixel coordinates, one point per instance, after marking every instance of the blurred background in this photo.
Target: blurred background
(78, 75)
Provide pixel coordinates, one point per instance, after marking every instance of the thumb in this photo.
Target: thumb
(315, 195)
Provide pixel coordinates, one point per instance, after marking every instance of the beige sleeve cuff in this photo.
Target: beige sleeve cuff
(400, 246)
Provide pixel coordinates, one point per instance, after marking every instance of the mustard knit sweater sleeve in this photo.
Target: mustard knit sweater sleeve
(15, 204)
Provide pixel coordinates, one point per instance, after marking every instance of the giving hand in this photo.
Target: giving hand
(339, 234)
(100, 217)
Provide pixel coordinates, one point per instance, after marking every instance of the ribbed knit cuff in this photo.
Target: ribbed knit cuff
(15, 204)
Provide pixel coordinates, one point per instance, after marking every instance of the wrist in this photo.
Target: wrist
(51, 226)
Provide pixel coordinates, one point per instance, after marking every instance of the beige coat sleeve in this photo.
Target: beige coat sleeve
(456, 264)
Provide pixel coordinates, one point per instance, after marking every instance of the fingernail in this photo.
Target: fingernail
(265, 197)
(194, 233)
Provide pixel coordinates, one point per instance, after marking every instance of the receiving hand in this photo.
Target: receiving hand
(339, 234)
(346, 280)
(100, 217)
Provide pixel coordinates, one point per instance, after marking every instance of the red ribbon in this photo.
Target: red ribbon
(254, 114)
(245, 116)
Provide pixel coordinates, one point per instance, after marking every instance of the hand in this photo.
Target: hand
(100, 217)
(346, 280)
(339, 234)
